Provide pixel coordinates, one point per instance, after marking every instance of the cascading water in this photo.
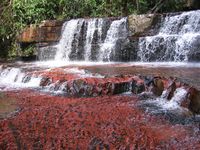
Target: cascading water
(177, 40)
(70, 33)
(15, 77)
(116, 32)
(88, 40)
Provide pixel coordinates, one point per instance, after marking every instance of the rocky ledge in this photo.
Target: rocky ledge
(77, 82)
(46, 33)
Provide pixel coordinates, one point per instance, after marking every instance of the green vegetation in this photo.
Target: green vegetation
(16, 14)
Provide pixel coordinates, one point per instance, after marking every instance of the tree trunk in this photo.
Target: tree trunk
(138, 5)
(125, 7)
(158, 6)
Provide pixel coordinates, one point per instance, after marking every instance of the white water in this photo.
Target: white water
(163, 104)
(176, 38)
(70, 29)
(92, 26)
(14, 77)
(88, 33)
(17, 78)
(113, 35)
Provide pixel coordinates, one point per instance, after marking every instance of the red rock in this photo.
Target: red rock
(49, 31)
(158, 86)
(170, 90)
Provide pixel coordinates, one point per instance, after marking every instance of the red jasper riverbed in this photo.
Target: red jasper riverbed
(109, 122)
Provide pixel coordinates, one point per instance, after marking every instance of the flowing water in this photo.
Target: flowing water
(88, 40)
(98, 40)
(177, 40)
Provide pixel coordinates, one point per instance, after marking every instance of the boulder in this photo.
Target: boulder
(155, 85)
(45, 81)
(139, 23)
(194, 99)
(118, 88)
(79, 86)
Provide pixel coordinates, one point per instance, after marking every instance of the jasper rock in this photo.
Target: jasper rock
(155, 85)
(79, 86)
(158, 86)
(137, 88)
(194, 98)
(45, 81)
(170, 90)
(97, 143)
(185, 103)
(48, 31)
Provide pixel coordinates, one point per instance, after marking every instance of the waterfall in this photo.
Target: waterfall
(88, 40)
(106, 39)
(177, 40)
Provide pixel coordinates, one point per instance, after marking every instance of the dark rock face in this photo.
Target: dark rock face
(195, 4)
(194, 98)
(158, 87)
(138, 87)
(194, 53)
(154, 85)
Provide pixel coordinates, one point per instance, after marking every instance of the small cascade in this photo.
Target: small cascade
(15, 77)
(177, 40)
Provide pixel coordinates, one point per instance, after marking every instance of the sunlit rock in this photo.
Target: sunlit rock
(47, 31)
(139, 23)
